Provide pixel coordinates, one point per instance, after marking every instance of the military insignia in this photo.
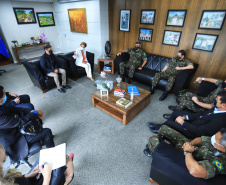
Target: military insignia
(218, 165)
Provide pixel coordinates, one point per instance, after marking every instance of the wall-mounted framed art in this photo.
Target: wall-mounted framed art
(171, 37)
(45, 19)
(205, 42)
(145, 34)
(176, 18)
(212, 19)
(25, 15)
(77, 19)
(147, 16)
(124, 20)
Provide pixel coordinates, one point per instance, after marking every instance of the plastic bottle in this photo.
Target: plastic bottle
(131, 95)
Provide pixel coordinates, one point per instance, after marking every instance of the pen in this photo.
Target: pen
(43, 164)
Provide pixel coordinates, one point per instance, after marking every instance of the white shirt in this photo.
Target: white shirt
(79, 57)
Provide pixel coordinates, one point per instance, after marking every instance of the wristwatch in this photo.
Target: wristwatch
(185, 152)
(181, 68)
(203, 78)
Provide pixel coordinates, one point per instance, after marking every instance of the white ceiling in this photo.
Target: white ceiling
(35, 0)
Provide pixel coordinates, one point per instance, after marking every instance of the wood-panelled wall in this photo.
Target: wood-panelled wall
(211, 64)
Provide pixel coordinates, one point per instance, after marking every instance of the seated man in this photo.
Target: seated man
(170, 72)
(136, 56)
(13, 99)
(15, 143)
(204, 156)
(193, 125)
(49, 64)
(197, 103)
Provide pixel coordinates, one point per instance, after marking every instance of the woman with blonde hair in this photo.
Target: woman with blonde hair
(81, 60)
(14, 177)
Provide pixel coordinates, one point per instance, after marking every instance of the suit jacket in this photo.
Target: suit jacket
(11, 119)
(205, 124)
(48, 63)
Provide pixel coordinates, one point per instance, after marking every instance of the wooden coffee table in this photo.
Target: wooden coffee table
(108, 103)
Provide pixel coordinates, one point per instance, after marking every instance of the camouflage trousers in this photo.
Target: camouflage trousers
(131, 65)
(177, 138)
(187, 102)
(164, 75)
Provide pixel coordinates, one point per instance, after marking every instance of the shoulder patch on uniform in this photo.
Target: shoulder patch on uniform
(218, 165)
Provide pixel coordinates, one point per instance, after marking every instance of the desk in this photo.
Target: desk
(15, 50)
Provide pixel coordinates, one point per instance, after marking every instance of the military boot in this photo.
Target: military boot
(152, 90)
(164, 95)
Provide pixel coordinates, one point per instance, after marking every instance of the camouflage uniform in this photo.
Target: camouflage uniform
(213, 160)
(170, 73)
(187, 102)
(134, 61)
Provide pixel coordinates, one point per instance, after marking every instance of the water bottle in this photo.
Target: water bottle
(131, 95)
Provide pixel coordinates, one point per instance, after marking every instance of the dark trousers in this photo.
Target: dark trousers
(177, 126)
(25, 102)
(45, 136)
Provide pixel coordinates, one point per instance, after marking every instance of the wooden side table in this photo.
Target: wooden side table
(111, 61)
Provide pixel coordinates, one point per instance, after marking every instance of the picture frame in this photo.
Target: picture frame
(77, 20)
(147, 16)
(205, 42)
(212, 19)
(176, 18)
(171, 37)
(45, 19)
(145, 34)
(103, 92)
(25, 15)
(124, 20)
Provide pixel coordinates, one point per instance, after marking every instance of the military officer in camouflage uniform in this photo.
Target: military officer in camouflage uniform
(136, 57)
(205, 156)
(197, 103)
(170, 72)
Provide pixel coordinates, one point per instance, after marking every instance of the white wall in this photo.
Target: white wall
(97, 22)
(22, 33)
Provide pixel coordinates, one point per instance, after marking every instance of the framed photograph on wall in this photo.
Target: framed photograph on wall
(176, 18)
(25, 15)
(147, 16)
(45, 19)
(124, 20)
(77, 19)
(205, 42)
(171, 37)
(212, 19)
(145, 34)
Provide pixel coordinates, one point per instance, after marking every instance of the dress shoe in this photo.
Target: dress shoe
(147, 152)
(123, 78)
(166, 116)
(164, 95)
(152, 125)
(66, 87)
(172, 107)
(152, 90)
(154, 130)
(61, 90)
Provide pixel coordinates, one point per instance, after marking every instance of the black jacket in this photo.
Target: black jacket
(11, 119)
(48, 63)
(205, 124)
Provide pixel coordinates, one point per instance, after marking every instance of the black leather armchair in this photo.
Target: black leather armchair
(168, 168)
(39, 78)
(155, 64)
(76, 71)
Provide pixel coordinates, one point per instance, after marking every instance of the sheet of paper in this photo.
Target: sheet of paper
(56, 156)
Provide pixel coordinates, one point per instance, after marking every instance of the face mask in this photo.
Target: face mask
(215, 103)
(6, 166)
(213, 140)
(5, 99)
(82, 48)
(137, 47)
(177, 58)
(50, 52)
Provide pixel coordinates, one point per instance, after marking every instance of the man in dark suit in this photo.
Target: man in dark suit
(49, 64)
(15, 100)
(193, 125)
(11, 120)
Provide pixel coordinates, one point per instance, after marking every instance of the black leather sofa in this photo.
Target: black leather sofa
(155, 64)
(77, 71)
(168, 168)
(64, 61)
